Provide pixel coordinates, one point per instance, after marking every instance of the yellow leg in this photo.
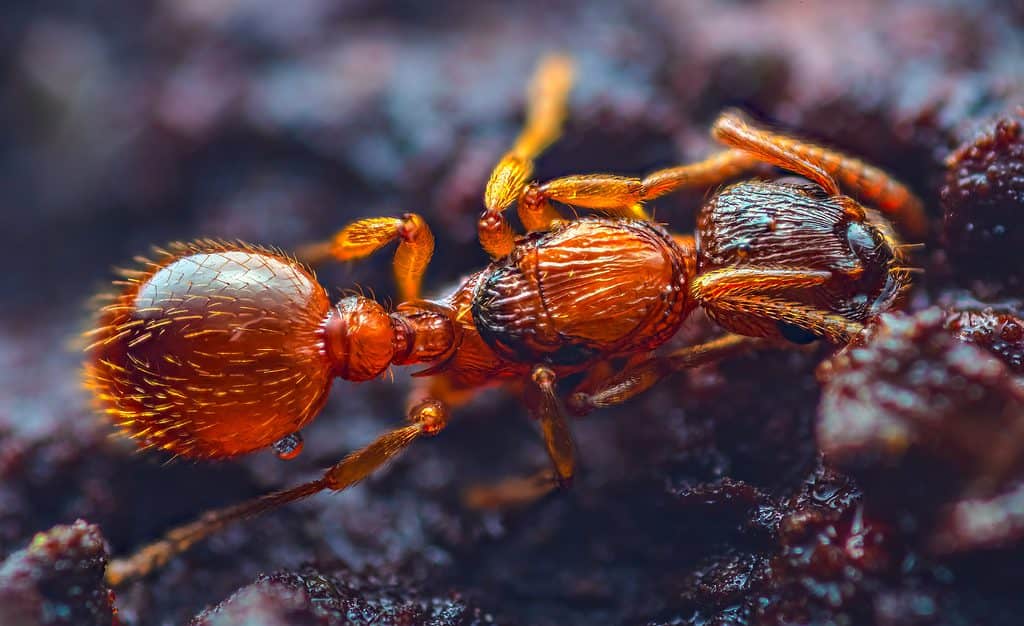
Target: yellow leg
(736, 294)
(713, 285)
(623, 196)
(825, 167)
(639, 377)
(547, 102)
(427, 418)
(362, 238)
(543, 404)
(513, 492)
(557, 438)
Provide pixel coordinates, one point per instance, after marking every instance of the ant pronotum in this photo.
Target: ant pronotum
(219, 349)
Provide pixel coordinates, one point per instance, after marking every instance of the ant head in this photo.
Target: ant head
(213, 350)
(778, 226)
(883, 259)
(359, 338)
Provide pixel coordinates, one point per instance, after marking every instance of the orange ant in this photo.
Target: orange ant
(218, 349)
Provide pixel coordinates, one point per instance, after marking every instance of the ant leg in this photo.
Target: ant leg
(547, 100)
(362, 238)
(510, 493)
(544, 407)
(441, 387)
(624, 196)
(428, 418)
(557, 438)
(735, 293)
(603, 370)
(640, 377)
(824, 167)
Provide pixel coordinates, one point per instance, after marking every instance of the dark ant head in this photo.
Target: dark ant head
(885, 273)
(213, 350)
(772, 226)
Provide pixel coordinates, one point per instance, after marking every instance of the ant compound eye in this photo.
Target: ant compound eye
(868, 244)
(215, 350)
(795, 334)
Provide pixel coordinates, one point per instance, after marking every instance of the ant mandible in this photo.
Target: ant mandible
(218, 349)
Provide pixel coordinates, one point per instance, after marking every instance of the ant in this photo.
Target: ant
(219, 349)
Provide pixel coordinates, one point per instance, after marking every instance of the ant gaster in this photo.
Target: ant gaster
(218, 349)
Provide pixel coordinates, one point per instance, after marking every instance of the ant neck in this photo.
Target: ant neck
(424, 332)
(361, 339)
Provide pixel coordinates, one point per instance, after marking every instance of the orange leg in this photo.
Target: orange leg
(640, 377)
(825, 167)
(362, 238)
(544, 407)
(603, 370)
(426, 419)
(510, 493)
(547, 102)
(736, 293)
(440, 387)
(623, 195)
(557, 438)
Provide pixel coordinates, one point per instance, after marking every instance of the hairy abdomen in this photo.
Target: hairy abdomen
(215, 350)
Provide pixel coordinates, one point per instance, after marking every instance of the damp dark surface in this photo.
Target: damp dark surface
(880, 486)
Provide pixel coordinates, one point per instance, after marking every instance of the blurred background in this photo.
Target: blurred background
(129, 124)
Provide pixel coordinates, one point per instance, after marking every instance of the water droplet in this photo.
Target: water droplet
(287, 448)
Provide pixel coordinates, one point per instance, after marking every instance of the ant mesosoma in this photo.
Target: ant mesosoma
(218, 349)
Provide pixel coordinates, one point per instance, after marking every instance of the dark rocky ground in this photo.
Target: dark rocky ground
(705, 502)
